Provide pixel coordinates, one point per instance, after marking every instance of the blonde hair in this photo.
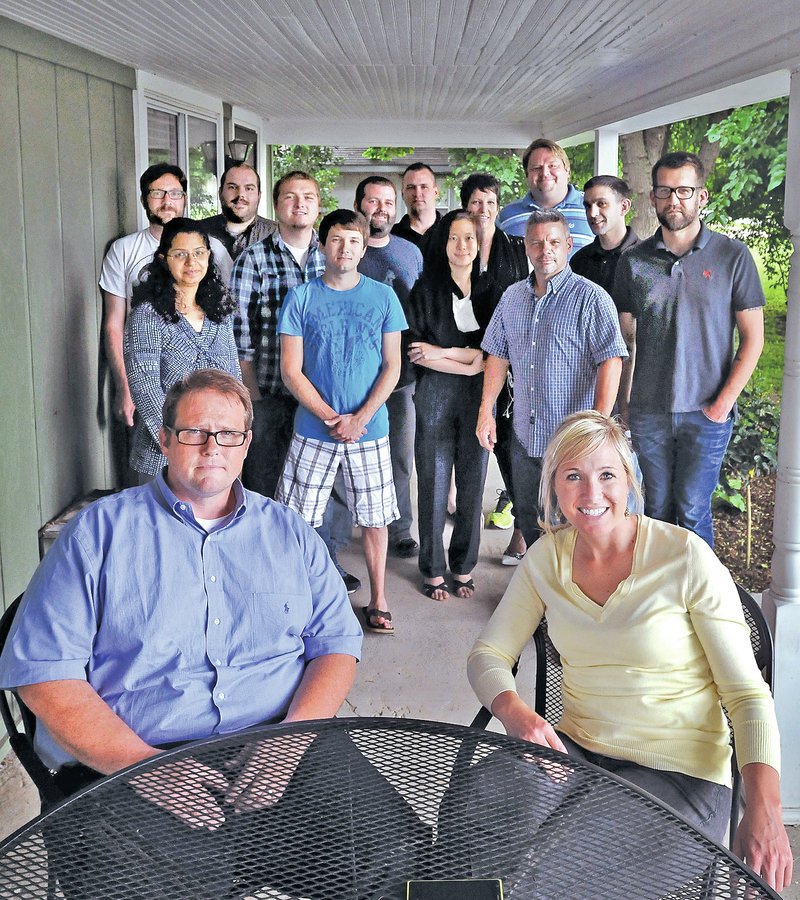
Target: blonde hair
(576, 437)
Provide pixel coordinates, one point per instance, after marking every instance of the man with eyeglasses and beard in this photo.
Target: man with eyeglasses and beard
(239, 225)
(162, 190)
(682, 294)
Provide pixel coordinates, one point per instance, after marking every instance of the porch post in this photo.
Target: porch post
(606, 152)
(781, 601)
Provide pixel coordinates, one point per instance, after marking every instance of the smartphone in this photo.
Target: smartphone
(456, 889)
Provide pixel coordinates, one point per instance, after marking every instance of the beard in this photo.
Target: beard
(231, 215)
(677, 220)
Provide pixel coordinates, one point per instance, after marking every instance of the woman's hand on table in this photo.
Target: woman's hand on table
(520, 721)
(761, 839)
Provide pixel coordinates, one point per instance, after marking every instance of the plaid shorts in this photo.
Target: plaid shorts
(311, 466)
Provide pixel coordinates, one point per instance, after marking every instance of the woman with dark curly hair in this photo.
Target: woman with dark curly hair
(180, 321)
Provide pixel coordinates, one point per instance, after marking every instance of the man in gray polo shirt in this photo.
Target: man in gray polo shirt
(681, 295)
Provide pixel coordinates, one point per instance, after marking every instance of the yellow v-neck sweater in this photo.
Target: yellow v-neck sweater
(645, 673)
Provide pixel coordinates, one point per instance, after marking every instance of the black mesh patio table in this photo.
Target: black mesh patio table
(354, 808)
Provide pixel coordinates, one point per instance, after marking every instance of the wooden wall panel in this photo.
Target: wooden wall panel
(66, 133)
(86, 468)
(44, 240)
(19, 497)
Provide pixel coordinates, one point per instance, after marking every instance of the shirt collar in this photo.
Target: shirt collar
(703, 237)
(556, 282)
(277, 237)
(183, 510)
(573, 198)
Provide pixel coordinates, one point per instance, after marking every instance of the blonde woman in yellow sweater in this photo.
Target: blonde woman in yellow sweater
(652, 638)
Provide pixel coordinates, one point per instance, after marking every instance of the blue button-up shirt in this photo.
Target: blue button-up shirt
(183, 633)
(554, 344)
(514, 217)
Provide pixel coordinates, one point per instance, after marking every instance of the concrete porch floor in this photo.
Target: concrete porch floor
(417, 673)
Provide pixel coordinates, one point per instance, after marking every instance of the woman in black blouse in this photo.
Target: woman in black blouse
(448, 313)
(501, 261)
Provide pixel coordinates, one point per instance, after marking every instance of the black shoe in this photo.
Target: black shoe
(405, 548)
(352, 583)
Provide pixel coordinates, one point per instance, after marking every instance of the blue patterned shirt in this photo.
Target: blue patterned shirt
(260, 280)
(514, 217)
(554, 344)
(183, 633)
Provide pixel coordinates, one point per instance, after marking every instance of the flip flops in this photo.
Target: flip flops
(370, 617)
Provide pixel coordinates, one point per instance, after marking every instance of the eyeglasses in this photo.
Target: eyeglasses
(662, 192)
(197, 437)
(159, 194)
(183, 255)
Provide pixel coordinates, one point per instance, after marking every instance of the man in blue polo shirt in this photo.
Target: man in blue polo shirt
(547, 169)
(681, 295)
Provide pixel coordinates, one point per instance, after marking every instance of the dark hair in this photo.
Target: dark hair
(240, 165)
(546, 217)
(436, 263)
(479, 181)
(206, 380)
(678, 160)
(153, 173)
(418, 167)
(294, 175)
(157, 286)
(545, 144)
(617, 185)
(347, 218)
(371, 179)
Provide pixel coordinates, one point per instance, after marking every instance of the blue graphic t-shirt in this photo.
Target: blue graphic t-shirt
(342, 334)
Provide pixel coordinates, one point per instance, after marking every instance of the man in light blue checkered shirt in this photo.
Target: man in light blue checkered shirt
(560, 335)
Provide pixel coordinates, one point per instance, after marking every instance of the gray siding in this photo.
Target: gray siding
(68, 181)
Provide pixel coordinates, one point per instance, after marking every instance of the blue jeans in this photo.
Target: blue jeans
(680, 455)
(402, 425)
(526, 475)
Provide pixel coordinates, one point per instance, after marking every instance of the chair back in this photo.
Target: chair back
(20, 725)
(549, 675)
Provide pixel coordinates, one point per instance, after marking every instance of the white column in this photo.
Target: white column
(606, 152)
(782, 600)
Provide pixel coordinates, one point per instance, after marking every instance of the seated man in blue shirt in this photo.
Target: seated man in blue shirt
(181, 609)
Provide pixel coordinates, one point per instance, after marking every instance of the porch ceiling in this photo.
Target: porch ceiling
(452, 72)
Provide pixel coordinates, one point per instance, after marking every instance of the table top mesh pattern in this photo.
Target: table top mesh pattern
(353, 808)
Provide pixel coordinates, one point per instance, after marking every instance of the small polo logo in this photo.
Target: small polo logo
(706, 273)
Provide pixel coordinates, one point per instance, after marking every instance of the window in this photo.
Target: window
(191, 143)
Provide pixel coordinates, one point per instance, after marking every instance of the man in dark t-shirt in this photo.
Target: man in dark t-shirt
(398, 263)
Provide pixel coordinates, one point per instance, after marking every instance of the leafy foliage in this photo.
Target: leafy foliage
(320, 162)
(503, 164)
(753, 449)
(387, 153)
(748, 188)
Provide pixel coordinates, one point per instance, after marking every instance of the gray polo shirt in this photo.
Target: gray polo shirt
(685, 309)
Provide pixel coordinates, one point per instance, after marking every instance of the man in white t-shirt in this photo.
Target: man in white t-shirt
(163, 196)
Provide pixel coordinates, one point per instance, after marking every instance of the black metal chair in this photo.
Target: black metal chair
(547, 685)
(20, 725)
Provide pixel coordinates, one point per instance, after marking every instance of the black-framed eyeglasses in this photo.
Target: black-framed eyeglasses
(198, 437)
(684, 192)
(159, 194)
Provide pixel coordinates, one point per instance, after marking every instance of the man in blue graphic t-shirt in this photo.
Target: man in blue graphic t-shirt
(340, 357)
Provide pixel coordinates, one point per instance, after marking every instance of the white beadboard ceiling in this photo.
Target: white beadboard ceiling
(448, 72)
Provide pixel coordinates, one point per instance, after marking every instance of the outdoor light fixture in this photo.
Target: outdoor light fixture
(239, 150)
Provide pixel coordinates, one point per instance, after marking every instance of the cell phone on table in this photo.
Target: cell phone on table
(456, 889)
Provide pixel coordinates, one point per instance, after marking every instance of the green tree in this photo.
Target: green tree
(320, 162)
(387, 154)
(503, 164)
(748, 188)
